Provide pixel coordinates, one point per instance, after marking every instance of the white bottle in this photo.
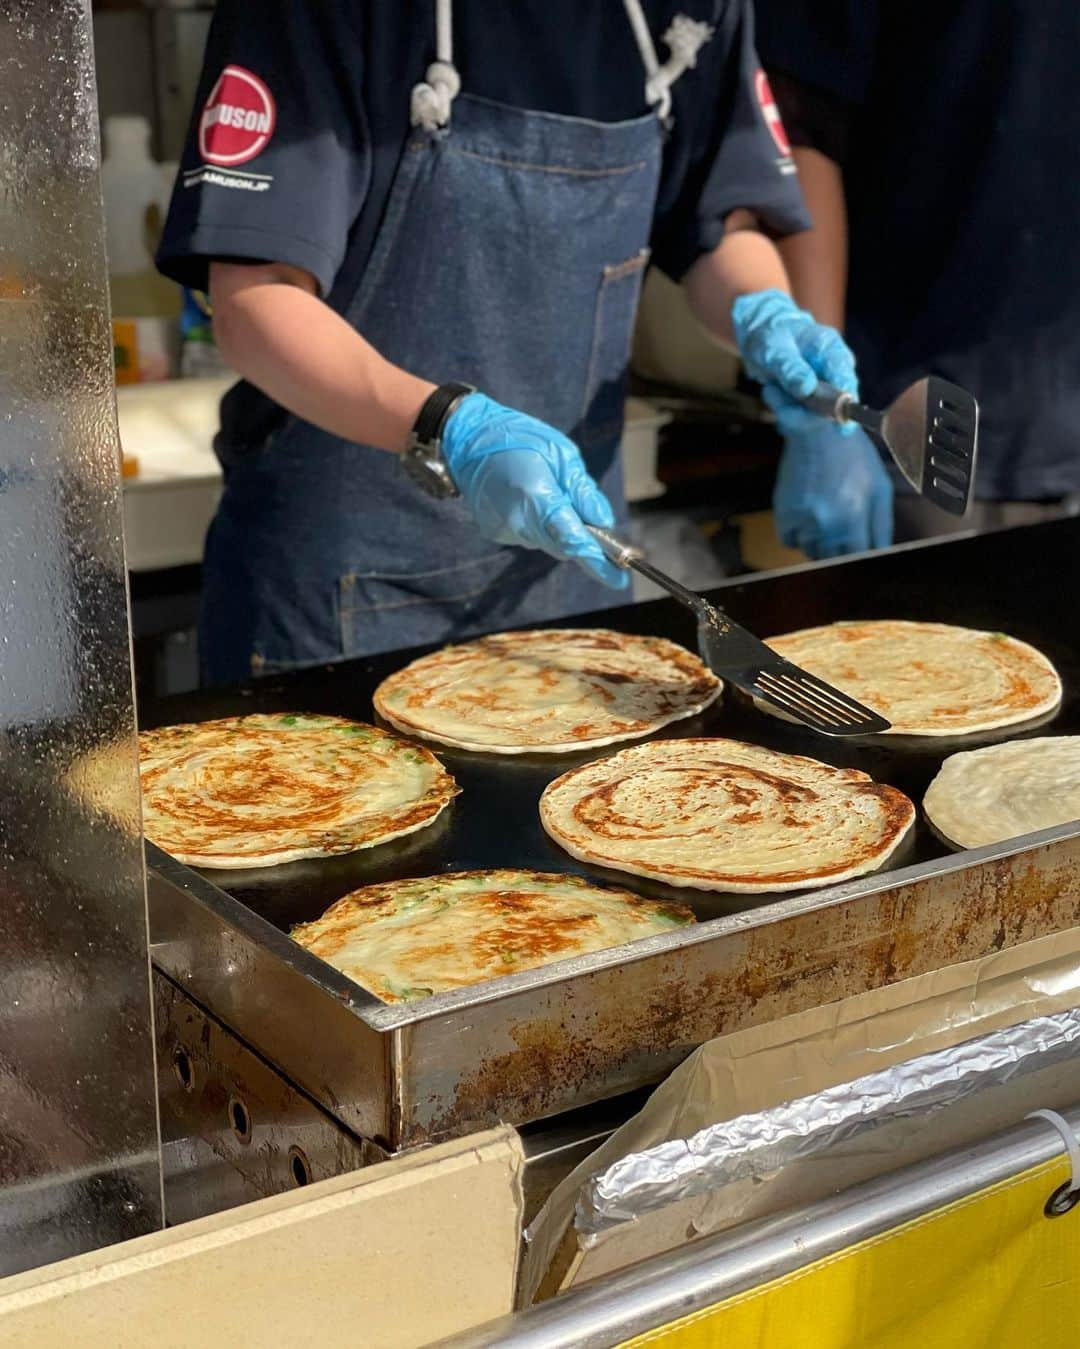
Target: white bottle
(134, 198)
(144, 304)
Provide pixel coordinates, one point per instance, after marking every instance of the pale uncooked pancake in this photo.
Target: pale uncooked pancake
(258, 790)
(928, 678)
(724, 815)
(1006, 790)
(408, 939)
(551, 691)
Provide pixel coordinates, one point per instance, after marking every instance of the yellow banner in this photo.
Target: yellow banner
(988, 1272)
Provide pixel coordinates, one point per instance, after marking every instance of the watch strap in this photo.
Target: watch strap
(437, 408)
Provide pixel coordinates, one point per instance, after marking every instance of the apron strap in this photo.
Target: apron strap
(431, 99)
(684, 39)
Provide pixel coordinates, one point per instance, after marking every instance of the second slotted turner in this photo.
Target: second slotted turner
(736, 655)
(931, 431)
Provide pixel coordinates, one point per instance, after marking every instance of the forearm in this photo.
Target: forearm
(273, 329)
(816, 259)
(745, 261)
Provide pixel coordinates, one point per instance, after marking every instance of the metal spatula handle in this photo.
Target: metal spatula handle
(627, 555)
(840, 406)
(615, 549)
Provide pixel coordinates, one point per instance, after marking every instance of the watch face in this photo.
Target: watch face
(429, 472)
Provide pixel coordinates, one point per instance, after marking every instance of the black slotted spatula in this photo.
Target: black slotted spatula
(736, 655)
(931, 431)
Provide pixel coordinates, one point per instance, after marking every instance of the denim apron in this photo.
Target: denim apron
(511, 257)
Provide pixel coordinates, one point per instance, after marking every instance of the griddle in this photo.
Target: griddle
(533, 1044)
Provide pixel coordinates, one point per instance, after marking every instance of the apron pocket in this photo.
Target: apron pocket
(383, 610)
(375, 591)
(613, 331)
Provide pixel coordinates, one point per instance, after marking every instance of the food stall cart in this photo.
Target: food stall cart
(556, 1050)
(540, 1043)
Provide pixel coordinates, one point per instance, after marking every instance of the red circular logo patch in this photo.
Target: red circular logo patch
(238, 119)
(771, 113)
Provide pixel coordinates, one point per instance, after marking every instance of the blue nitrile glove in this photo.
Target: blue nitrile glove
(787, 351)
(527, 484)
(832, 494)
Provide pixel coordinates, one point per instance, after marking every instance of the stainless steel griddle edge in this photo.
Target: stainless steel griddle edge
(384, 1017)
(534, 1044)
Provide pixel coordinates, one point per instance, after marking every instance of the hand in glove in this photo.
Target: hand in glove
(833, 494)
(527, 484)
(788, 352)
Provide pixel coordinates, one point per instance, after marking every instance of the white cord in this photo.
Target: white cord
(444, 31)
(1072, 1143)
(643, 38)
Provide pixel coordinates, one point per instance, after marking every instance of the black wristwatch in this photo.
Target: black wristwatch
(423, 458)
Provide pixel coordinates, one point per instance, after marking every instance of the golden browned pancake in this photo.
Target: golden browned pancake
(258, 790)
(724, 815)
(408, 939)
(551, 691)
(928, 678)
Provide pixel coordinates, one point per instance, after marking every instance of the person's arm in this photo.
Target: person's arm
(739, 292)
(816, 259)
(743, 262)
(273, 329)
(523, 480)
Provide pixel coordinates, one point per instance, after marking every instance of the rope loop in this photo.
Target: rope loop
(430, 102)
(684, 39)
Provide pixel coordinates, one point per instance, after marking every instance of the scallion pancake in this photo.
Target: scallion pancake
(551, 691)
(928, 678)
(724, 815)
(259, 790)
(1004, 791)
(405, 940)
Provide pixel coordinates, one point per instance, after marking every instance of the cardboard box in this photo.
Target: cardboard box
(399, 1254)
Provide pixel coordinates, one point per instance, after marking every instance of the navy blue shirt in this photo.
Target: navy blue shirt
(303, 111)
(964, 204)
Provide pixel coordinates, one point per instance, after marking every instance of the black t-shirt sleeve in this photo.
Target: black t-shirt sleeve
(277, 161)
(734, 149)
(813, 117)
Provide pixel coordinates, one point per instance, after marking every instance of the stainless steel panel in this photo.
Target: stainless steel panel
(232, 1128)
(79, 1148)
(617, 1024)
(216, 1158)
(295, 1010)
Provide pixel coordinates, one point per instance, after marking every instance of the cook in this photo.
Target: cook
(934, 144)
(423, 227)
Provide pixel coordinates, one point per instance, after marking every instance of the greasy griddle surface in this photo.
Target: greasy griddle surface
(1018, 581)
